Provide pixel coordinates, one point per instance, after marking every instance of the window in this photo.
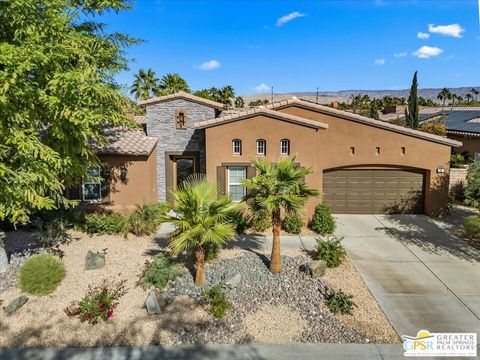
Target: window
(352, 151)
(181, 118)
(261, 147)
(377, 150)
(91, 187)
(237, 147)
(403, 150)
(476, 157)
(235, 175)
(285, 147)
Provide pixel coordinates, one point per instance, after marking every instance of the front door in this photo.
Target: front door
(183, 168)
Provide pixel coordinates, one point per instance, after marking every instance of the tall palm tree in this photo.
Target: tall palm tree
(444, 95)
(475, 93)
(239, 102)
(276, 188)
(145, 84)
(200, 218)
(469, 97)
(227, 94)
(173, 83)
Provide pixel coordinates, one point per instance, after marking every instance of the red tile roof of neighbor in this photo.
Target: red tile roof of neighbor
(181, 95)
(259, 111)
(123, 141)
(364, 120)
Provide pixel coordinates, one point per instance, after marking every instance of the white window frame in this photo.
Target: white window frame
(262, 141)
(288, 147)
(239, 152)
(476, 157)
(244, 168)
(97, 170)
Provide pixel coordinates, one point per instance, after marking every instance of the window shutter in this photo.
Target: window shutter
(105, 185)
(221, 184)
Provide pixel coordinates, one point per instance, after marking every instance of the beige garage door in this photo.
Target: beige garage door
(374, 191)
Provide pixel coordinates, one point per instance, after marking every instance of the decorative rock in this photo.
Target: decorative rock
(318, 268)
(154, 303)
(305, 268)
(94, 260)
(3, 254)
(15, 304)
(234, 281)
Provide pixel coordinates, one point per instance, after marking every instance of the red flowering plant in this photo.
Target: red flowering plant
(99, 302)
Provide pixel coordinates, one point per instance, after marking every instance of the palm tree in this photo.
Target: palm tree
(145, 84)
(227, 93)
(444, 95)
(239, 102)
(200, 218)
(276, 188)
(173, 83)
(474, 92)
(469, 97)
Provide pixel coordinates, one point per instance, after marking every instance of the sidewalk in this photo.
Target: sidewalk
(217, 352)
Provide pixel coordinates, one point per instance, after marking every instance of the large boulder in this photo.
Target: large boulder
(154, 303)
(94, 260)
(15, 304)
(318, 268)
(234, 281)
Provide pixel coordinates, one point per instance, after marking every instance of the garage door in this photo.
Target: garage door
(374, 191)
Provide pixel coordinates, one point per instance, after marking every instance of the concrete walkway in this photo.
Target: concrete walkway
(217, 352)
(421, 275)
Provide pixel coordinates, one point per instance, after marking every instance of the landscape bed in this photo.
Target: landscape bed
(265, 308)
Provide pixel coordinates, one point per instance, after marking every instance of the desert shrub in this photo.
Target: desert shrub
(99, 303)
(322, 221)
(471, 226)
(159, 272)
(293, 224)
(260, 220)
(398, 121)
(331, 251)
(105, 224)
(339, 302)
(145, 219)
(472, 189)
(52, 234)
(41, 274)
(219, 303)
(434, 127)
(457, 161)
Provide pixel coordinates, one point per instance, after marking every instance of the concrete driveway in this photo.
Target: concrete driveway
(421, 275)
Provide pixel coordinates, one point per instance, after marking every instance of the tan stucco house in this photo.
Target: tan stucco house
(361, 165)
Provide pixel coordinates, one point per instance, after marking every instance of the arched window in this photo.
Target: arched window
(261, 147)
(237, 147)
(285, 147)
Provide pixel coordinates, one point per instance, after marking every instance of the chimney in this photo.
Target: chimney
(334, 104)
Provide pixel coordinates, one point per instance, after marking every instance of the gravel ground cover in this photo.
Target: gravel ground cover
(266, 308)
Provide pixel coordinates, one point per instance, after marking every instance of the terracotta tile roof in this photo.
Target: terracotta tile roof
(365, 120)
(140, 119)
(259, 111)
(127, 142)
(181, 95)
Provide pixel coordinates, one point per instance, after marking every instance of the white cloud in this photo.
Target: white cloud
(425, 52)
(422, 35)
(262, 87)
(287, 18)
(454, 30)
(400, 54)
(209, 65)
(379, 61)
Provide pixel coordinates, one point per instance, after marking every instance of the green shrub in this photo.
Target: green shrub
(339, 302)
(159, 272)
(322, 221)
(53, 233)
(260, 220)
(211, 251)
(471, 226)
(239, 221)
(472, 189)
(293, 224)
(219, 303)
(41, 274)
(457, 161)
(145, 219)
(105, 224)
(331, 251)
(99, 303)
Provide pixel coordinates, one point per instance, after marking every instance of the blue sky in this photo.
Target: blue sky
(299, 45)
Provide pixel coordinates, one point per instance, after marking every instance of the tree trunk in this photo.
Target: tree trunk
(275, 260)
(3, 255)
(199, 266)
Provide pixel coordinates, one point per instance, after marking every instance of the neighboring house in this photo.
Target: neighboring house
(463, 124)
(361, 165)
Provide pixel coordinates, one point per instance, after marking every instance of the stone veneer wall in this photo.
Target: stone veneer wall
(458, 180)
(161, 123)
